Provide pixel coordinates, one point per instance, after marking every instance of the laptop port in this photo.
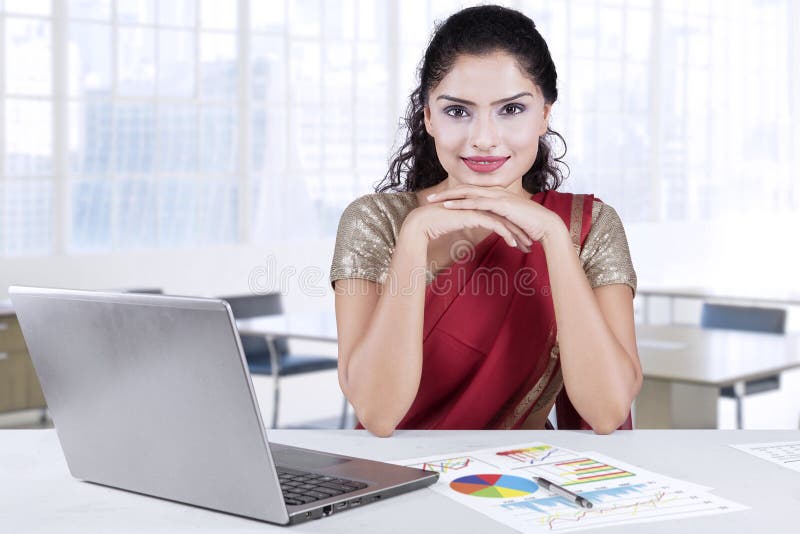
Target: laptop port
(327, 510)
(354, 502)
(340, 505)
(374, 498)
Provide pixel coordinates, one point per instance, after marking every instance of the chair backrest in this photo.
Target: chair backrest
(769, 320)
(147, 290)
(250, 306)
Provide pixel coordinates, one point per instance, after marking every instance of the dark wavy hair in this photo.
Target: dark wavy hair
(476, 31)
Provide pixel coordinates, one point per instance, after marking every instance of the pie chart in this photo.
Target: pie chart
(494, 486)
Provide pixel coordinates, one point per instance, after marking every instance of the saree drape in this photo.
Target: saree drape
(490, 353)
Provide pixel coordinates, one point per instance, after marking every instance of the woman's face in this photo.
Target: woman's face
(486, 107)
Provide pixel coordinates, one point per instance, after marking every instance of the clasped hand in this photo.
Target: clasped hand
(529, 220)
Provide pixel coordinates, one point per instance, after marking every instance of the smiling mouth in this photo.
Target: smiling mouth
(486, 165)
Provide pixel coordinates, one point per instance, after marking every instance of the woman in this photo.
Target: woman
(461, 302)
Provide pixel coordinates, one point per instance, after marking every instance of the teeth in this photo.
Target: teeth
(482, 162)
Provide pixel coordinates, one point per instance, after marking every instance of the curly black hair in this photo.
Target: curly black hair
(476, 31)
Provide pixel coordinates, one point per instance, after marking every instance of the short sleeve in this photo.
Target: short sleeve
(363, 243)
(605, 256)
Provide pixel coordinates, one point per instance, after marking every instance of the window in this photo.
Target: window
(321, 114)
(153, 124)
(27, 187)
(677, 110)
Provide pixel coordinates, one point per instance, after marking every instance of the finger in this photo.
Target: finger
(464, 191)
(523, 241)
(494, 205)
(519, 237)
(483, 205)
(484, 220)
(522, 237)
(465, 203)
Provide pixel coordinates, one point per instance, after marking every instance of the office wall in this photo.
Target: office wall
(742, 255)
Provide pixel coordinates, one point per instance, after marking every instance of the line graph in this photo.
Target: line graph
(444, 466)
(545, 505)
(636, 502)
(530, 455)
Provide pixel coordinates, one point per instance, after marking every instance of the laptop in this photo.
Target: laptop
(152, 394)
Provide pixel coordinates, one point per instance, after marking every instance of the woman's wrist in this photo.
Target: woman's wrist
(407, 268)
(555, 233)
(410, 230)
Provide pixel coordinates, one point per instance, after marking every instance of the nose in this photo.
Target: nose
(484, 133)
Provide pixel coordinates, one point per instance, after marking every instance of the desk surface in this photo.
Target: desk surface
(713, 357)
(37, 493)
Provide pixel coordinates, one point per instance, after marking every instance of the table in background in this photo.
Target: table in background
(39, 495)
(685, 366)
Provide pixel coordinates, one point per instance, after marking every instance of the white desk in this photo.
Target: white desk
(684, 368)
(714, 357)
(38, 495)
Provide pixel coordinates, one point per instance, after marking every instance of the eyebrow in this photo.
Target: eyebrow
(502, 101)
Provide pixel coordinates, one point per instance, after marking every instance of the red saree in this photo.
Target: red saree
(489, 338)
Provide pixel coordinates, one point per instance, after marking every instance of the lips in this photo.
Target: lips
(485, 163)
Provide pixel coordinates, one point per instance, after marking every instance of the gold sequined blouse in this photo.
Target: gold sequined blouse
(370, 224)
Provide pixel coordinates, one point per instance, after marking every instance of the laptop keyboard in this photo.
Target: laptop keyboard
(302, 488)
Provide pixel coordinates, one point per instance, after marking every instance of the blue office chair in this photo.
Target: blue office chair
(751, 319)
(262, 351)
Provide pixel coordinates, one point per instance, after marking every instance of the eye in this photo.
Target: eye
(519, 107)
(458, 109)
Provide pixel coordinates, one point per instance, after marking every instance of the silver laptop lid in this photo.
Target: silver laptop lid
(150, 393)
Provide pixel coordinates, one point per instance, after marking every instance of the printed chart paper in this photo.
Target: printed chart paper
(499, 482)
(785, 453)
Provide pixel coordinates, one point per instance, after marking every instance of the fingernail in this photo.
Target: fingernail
(513, 242)
(430, 197)
(447, 203)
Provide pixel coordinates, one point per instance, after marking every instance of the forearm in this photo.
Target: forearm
(384, 369)
(599, 374)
